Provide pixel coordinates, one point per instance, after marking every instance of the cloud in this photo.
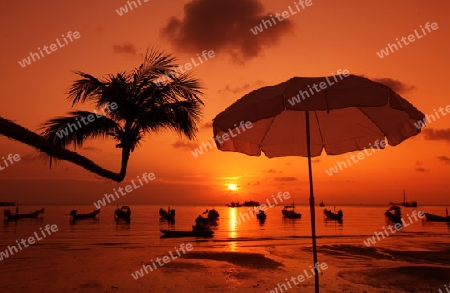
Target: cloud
(395, 84)
(184, 145)
(285, 178)
(91, 148)
(207, 125)
(224, 27)
(271, 171)
(444, 159)
(437, 134)
(94, 28)
(126, 48)
(241, 88)
(421, 169)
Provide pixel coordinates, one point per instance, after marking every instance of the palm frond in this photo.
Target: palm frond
(186, 86)
(116, 91)
(181, 117)
(73, 130)
(88, 87)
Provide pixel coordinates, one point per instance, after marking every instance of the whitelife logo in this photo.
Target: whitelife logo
(31, 240)
(378, 145)
(427, 120)
(36, 56)
(411, 38)
(323, 85)
(129, 188)
(252, 211)
(284, 15)
(397, 226)
(300, 278)
(90, 118)
(166, 259)
(124, 9)
(205, 56)
(226, 136)
(11, 158)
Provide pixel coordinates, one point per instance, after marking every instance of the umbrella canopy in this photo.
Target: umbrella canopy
(303, 116)
(348, 115)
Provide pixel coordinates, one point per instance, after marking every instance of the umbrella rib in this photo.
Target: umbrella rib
(320, 131)
(264, 135)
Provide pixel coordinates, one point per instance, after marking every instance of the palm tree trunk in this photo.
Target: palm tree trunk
(19, 133)
(125, 157)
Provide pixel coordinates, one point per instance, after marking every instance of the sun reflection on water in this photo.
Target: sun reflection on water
(232, 228)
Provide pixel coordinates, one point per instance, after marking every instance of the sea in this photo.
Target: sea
(234, 227)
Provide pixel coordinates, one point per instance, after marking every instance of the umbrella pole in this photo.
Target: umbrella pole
(312, 205)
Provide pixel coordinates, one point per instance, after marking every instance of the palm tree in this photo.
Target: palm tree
(135, 103)
(19, 133)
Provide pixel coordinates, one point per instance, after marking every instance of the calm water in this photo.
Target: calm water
(144, 229)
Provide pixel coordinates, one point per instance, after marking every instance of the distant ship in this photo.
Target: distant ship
(321, 204)
(7, 203)
(407, 204)
(234, 205)
(251, 203)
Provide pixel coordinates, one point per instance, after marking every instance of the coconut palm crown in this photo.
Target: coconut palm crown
(132, 105)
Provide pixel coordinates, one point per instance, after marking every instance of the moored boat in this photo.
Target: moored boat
(206, 219)
(261, 216)
(124, 213)
(404, 203)
(436, 218)
(329, 215)
(394, 214)
(168, 215)
(212, 216)
(289, 212)
(193, 233)
(16, 216)
(74, 215)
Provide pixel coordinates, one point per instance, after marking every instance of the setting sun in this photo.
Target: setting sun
(232, 187)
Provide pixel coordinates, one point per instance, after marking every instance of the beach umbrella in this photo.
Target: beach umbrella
(304, 116)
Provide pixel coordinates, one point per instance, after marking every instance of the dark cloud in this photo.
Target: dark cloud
(444, 159)
(421, 169)
(285, 178)
(224, 27)
(271, 171)
(126, 48)
(395, 84)
(184, 145)
(241, 88)
(437, 134)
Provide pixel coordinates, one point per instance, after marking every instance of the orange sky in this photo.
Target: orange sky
(319, 40)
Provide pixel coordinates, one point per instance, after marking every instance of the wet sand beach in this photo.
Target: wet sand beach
(396, 265)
